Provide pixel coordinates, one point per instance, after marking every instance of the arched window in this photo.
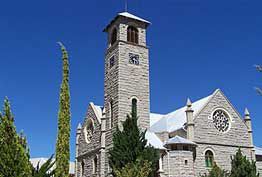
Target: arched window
(113, 36)
(95, 165)
(132, 34)
(134, 106)
(82, 168)
(111, 114)
(89, 130)
(209, 158)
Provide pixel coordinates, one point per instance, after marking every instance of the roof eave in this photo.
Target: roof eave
(147, 23)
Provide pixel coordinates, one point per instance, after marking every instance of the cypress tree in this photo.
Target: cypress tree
(14, 153)
(242, 167)
(63, 137)
(130, 145)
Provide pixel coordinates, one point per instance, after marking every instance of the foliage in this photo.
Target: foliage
(129, 145)
(242, 167)
(45, 170)
(138, 169)
(259, 69)
(63, 137)
(14, 154)
(216, 171)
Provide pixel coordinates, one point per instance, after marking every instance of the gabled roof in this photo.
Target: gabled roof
(153, 140)
(127, 15)
(98, 111)
(258, 151)
(179, 140)
(154, 117)
(177, 119)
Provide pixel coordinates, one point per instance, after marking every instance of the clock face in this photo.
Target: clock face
(89, 130)
(133, 59)
(221, 120)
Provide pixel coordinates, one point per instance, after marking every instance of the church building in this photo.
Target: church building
(189, 139)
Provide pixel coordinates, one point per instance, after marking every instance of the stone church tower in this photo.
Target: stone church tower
(126, 86)
(126, 70)
(126, 73)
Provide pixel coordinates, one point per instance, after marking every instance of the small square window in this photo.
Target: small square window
(185, 148)
(186, 162)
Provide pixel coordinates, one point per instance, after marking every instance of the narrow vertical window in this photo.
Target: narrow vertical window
(82, 168)
(134, 106)
(132, 34)
(113, 36)
(111, 114)
(111, 61)
(95, 165)
(209, 158)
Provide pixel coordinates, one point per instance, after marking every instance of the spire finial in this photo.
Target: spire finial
(247, 112)
(79, 126)
(189, 103)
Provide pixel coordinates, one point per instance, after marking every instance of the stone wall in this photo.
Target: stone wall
(222, 156)
(223, 145)
(259, 167)
(180, 164)
(87, 151)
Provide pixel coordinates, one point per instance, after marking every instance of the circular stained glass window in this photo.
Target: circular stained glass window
(221, 120)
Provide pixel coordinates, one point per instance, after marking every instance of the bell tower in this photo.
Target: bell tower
(126, 71)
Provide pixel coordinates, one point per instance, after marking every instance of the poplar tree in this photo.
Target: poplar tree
(63, 137)
(14, 153)
(130, 146)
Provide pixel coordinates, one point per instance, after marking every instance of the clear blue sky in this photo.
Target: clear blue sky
(196, 46)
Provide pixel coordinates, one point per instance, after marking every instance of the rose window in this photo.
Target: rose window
(221, 120)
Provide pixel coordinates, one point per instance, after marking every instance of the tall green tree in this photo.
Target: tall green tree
(64, 116)
(14, 153)
(242, 167)
(259, 69)
(130, 145)
(216, 171)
